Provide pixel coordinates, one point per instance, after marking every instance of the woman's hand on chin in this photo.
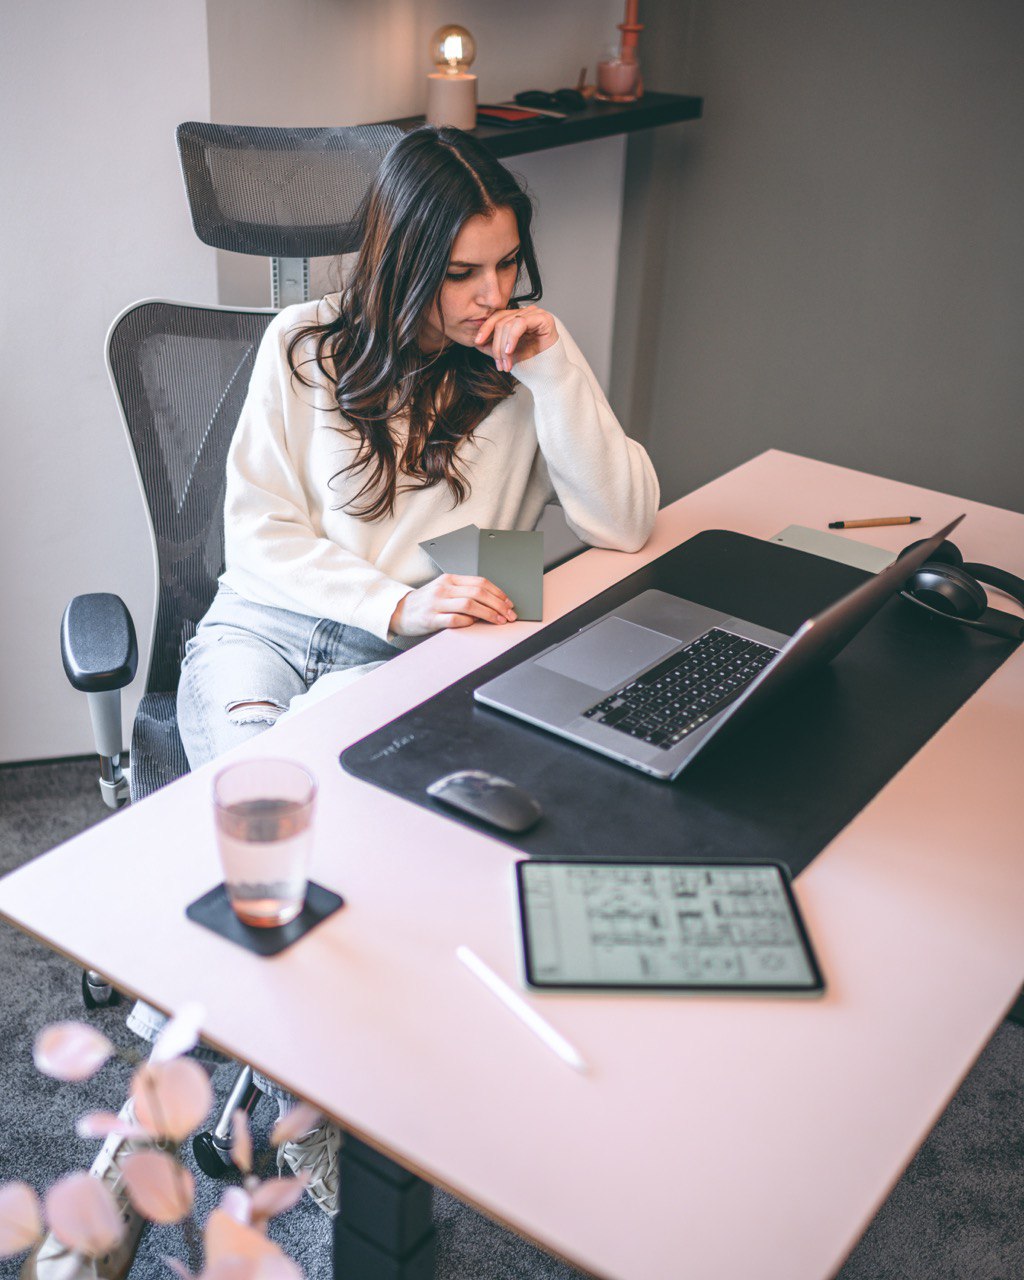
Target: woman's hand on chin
(513, 336)
(453, 600)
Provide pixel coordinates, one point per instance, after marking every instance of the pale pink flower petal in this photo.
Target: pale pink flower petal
(237, 1204)
(21, 1222)
(277, 1195)
(158, 1186)
(100, 1124)
(180, 1035)
(293, 1124)
(279, 1268)
(241, 1141)
(171, 1098)
(70, 1051)
(231, 1269)
(83, 1214)
(228, 1238)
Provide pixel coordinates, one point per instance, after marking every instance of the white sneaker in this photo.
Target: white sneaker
(50, 1260)
(316, 1154)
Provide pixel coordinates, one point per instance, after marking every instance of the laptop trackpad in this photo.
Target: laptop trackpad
(608, 654)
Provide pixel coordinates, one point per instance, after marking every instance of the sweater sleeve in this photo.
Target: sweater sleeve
(274, 554)
(604, 481)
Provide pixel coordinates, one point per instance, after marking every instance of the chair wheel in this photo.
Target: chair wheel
(97, 994)
(214, 1162)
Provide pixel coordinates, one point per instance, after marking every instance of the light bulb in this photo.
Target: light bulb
(451, 90)
(452, 49)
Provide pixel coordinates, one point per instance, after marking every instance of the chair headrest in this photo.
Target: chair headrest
(277, 192)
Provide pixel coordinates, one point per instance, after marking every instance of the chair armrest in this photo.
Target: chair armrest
(100, 656)
(97, 643)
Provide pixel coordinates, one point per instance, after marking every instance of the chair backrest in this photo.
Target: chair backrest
(180, 374)
(280, 193)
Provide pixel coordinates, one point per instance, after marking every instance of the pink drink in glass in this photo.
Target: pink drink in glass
(264, 818)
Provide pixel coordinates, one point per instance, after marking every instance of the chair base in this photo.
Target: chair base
(97, 993)
(213, 1156)
(212, 1147)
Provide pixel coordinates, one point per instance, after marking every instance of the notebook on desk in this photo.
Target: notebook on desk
(652, 682)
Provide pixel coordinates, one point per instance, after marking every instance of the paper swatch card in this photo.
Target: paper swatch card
(511, 559)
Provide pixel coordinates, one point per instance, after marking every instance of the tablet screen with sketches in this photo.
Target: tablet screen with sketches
(665, 926)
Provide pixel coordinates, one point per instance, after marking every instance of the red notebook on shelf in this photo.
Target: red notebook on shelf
(511, 117)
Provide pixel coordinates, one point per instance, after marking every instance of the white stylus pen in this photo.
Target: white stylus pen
(544, 1030)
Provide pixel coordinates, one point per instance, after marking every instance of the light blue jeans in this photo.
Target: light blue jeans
(245, 653)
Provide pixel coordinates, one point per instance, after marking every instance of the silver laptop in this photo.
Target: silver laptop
(653, 681)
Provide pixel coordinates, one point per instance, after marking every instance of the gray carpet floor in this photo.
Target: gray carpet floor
(957, 1213)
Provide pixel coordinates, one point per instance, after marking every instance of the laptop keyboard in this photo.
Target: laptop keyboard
(678, 695)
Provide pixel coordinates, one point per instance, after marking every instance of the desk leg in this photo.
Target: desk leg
(384, 1229)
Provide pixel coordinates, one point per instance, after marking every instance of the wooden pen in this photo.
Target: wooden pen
(867, 524)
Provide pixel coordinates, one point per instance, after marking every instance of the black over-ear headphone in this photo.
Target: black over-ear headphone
(947, 586)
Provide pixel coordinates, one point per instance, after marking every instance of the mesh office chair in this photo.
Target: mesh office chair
(180, 378)
(180, 374)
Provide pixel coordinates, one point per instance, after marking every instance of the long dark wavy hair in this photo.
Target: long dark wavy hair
(431, 181)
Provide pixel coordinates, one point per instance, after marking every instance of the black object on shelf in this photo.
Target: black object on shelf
(597, 120)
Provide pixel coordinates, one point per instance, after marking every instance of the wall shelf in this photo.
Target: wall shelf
(597, 120)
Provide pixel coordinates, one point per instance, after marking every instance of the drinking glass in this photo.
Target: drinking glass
(263, 810)
(618, 77)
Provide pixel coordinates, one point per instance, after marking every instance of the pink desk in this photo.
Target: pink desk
(725, 1138)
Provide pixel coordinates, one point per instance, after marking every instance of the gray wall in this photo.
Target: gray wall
(92, 218)
(831, 261)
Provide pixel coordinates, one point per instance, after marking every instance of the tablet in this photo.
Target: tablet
(663, 926)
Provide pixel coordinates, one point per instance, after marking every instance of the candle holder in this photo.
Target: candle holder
(451, 90)
(618, 70)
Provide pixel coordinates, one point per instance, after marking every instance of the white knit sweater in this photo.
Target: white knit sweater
(289, 543)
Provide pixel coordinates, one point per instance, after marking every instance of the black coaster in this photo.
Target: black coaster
(213, 911)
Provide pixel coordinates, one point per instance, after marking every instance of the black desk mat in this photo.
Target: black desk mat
(781, 787)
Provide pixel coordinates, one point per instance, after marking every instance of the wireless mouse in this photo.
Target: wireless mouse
(489, 798)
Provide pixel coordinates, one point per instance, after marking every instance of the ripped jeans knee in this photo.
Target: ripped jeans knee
(247, 662)
(254, 711)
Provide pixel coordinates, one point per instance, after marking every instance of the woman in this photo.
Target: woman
(424, 397)
(427, 395)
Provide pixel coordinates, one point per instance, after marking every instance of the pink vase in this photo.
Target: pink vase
(618, 80)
